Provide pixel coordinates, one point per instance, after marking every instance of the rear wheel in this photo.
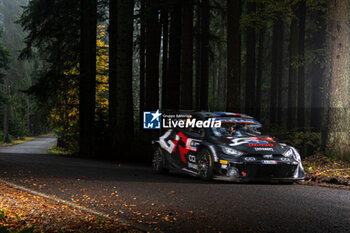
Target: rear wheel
(158, 161)
(205, 164)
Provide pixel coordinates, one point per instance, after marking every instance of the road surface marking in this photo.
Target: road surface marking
(69, 203)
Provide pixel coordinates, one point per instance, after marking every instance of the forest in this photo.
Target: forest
(19, 112)
(88, 69)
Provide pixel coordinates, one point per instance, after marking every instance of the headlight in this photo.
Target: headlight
(231, 151)
(288, 153)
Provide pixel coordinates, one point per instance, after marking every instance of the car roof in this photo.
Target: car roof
(205, 114)
(223, 115)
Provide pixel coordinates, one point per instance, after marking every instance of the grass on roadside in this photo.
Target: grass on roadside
(58, 151)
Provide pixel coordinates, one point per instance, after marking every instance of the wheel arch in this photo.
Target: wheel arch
(155, 144)
(210, 148)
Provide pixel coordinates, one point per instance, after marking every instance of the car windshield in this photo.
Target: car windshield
(229, 129)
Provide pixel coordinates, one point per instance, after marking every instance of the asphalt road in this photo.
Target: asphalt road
(174, 202)
(37, 146)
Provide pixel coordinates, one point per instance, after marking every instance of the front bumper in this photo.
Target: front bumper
(257, 171)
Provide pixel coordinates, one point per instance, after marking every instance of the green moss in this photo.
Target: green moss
(331, 154)
(58, 151)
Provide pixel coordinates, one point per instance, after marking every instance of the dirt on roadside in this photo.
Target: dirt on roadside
(329, 172)
(20, 210)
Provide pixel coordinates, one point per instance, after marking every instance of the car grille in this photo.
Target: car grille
(262, 155)
(266, 170)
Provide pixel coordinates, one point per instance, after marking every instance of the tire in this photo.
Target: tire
(205, 164)
(158, 162)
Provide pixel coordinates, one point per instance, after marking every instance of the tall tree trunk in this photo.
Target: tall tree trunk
(198, 57)
(259, 67)
(251, 65)
(153, 33)
(142, 62)
(112, 79)
(215, 82)
(293, 74)
(222, 84)
(123, 127)
(87, 77)
(301, 65)
(338, 136)
(234, 9)
(280, 65)
(165, 25)
(219, 80)
(28, 100)
(317, 72)
(204, 66)
(276, 69)
(186, 84)
(6, 112)
(259, 72)
(6, 123)
(173, 75)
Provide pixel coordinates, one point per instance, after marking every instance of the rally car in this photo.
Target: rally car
(235, 151)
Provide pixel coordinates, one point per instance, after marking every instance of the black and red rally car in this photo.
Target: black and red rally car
(235, 151)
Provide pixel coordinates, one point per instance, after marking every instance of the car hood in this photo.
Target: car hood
(255, 145)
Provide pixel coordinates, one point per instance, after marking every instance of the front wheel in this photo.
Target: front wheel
(205, 164)
(158, 161)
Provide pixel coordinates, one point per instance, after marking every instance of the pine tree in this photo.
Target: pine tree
(233, 56)
(250, 85)
(120, 76)
(186, 81)
(153, 34)
(4, 65)
(204, 58)
(87, 84)
(172, 100)
(293, 73)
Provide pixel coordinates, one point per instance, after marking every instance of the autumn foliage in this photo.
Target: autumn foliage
(24, 212)
(326, 170)
(64, 117)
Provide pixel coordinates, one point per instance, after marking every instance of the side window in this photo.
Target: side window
(185, 131)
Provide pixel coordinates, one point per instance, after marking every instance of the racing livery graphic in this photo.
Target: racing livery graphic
(235, 151)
